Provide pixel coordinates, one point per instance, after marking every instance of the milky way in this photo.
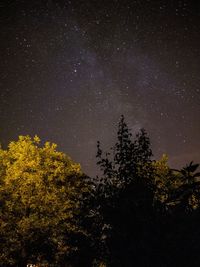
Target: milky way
(69, 69)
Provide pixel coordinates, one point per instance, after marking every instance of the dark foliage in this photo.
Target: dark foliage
(140, 229)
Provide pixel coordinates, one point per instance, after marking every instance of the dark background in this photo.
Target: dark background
(69, 69)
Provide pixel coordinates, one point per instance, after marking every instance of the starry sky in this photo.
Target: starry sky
(69, 69)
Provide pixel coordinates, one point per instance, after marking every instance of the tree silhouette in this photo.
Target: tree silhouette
(127, 197)
(128, 156)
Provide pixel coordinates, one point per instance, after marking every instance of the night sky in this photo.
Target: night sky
(69, 69)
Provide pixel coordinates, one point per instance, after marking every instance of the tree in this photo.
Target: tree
(187, 194)
(129, 157)
(177, 196)
(146, 208)
(126, 197)
(41, 196)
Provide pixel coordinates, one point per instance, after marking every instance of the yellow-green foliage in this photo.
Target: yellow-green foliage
(169, 182)
(41, 189)
(165, 179)
(161, 176)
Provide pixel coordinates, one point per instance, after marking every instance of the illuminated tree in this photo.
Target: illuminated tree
(41, 196)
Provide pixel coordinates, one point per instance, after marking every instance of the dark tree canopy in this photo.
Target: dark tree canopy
(128, 155)
(127, 194)
(145, 204)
